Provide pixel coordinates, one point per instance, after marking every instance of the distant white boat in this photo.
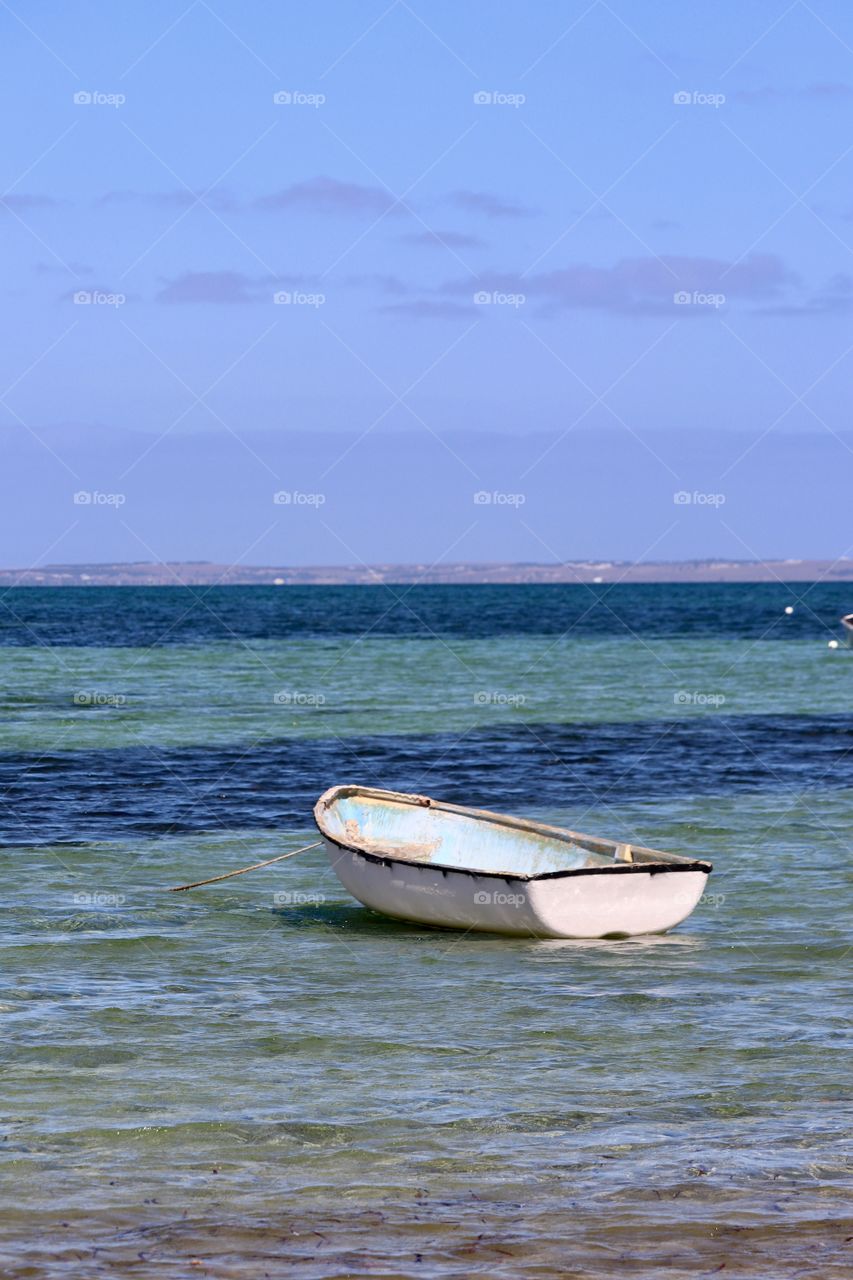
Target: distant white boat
(847, 624)
(419, 859)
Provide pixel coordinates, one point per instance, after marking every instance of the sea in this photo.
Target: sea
(263, 1078)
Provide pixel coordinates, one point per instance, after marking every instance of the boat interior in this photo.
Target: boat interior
(415, 829)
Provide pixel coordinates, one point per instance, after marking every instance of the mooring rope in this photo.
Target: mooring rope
(179, 888)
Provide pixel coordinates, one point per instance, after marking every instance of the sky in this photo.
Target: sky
(372, 282)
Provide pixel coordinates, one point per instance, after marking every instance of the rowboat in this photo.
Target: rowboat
(419, 859)
(847, 624)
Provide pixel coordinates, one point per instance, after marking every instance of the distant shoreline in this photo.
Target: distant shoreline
(202, 573)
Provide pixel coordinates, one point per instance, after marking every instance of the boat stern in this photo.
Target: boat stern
(623, 904)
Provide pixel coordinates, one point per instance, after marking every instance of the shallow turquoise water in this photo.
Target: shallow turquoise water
(75, 698)
(263, 1078)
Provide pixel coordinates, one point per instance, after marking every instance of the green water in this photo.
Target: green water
(262, 1078)
(72, 698)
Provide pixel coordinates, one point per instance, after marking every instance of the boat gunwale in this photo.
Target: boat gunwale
(661, 861)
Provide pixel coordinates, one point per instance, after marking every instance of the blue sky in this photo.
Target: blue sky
(655, 200)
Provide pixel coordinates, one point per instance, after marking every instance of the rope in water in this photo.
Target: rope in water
(179, 888)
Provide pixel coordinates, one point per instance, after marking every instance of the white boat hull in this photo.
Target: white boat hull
(440, 864)
(579, 906)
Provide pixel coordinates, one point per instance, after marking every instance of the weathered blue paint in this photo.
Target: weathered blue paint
(427, 834)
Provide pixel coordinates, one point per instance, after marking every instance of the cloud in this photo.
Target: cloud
(94, 292)
(320, 194)
(174, 199)
(642, 285)
(328, 195)
(835, 298)
(314, 195)
(209, 286)
(178, 199)
(16, 204)
(384, 283)
(444, 240)
(819, 92)
(491, 206)
(223, 287)
(426, 309)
